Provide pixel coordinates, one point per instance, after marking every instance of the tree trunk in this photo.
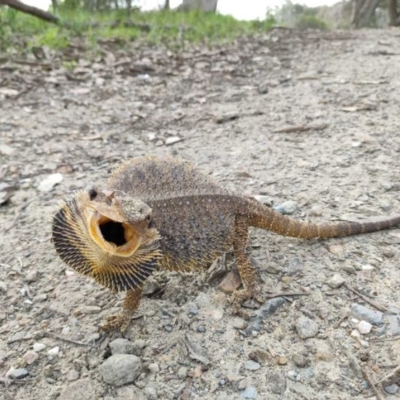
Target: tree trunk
(363, 11)
(36, 12)
(394, 18)
(200, 5)
(166, 5)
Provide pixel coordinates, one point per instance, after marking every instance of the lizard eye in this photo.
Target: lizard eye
(92, 193)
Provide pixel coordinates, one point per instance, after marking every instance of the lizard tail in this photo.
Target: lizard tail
(266, 218)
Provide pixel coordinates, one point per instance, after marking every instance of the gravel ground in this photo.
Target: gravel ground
(308, 121)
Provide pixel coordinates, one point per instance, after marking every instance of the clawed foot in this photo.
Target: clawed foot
(240, 296)
(116, 322)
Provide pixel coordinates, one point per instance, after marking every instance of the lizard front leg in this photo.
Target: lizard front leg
(121, 321)
(247, 271)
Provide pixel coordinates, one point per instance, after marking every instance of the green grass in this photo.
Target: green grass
(21, 31)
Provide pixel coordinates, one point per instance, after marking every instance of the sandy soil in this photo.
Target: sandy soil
(308, 118)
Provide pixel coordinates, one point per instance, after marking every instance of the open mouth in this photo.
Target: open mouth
(113, 236)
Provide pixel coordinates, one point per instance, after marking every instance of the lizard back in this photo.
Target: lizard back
(187, 207)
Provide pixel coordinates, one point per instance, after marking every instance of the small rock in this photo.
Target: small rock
(54, 351)
(277, 383)
(249, 393)
(336, 249)
(38, 347)
(154, 368)
(394, 324)
(239, 323)
(172, 140)
(182, 372)
(364, 327)
(281, 360)
(317, 210)
(264, 199)
(17, 373)
(336, 281)
(31, 276)
(124, 346)
(140, 344)
(49, 182)
(3, 287)
(300, 360)
(231, 282)
(120, 369)
(6, 150)
(288, 207)
(48, 371)
(392, 389)
(150, 392)
(72, 375)
(83, 389)
(306, 327)
(88, 310)
(273, 269)
(30, 357)
(252, 365)
(364, 313)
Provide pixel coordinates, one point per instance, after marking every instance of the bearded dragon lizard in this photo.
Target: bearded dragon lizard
(159, 212)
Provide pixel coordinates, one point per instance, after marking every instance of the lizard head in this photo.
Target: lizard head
(107, 236)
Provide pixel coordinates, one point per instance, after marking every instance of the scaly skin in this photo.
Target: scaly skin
(164, 213)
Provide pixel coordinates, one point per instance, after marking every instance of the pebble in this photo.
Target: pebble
(239, 323)
(120, 369)
(264, 199)
(172, 140)
(3, 287)
(72, 375)
(392, 389)
(252, 365)
(88, 310)
(230, 283)
(394, 324)
(201, 329)
(300, 360)
(306, 328)
(336, 281)
(249, 393)
(277, 383)
(17, 373)
(182, 372)
(54, 351)
(124, 346)
(31, 276)
(287, 207)
(364, 313)
(364, 327)
(154, 368)
(150, 392)
(281, 360)
(38, 347)
(30, 357)
(48, 371)
(49, 182)
(83, 389)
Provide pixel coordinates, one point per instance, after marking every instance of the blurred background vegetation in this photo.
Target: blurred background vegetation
(24, 26)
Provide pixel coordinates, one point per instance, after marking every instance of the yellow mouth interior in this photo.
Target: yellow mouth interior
(113, 236)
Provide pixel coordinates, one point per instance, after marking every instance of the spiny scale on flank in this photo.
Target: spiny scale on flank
(196, 219)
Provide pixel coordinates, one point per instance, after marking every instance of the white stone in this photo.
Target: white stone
(38, 347)
(364, 327)
(54, 351)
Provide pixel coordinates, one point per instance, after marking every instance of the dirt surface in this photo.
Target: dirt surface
(310, 118)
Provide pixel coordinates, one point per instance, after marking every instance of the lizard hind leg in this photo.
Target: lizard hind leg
(251, 289)
(121, 321)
